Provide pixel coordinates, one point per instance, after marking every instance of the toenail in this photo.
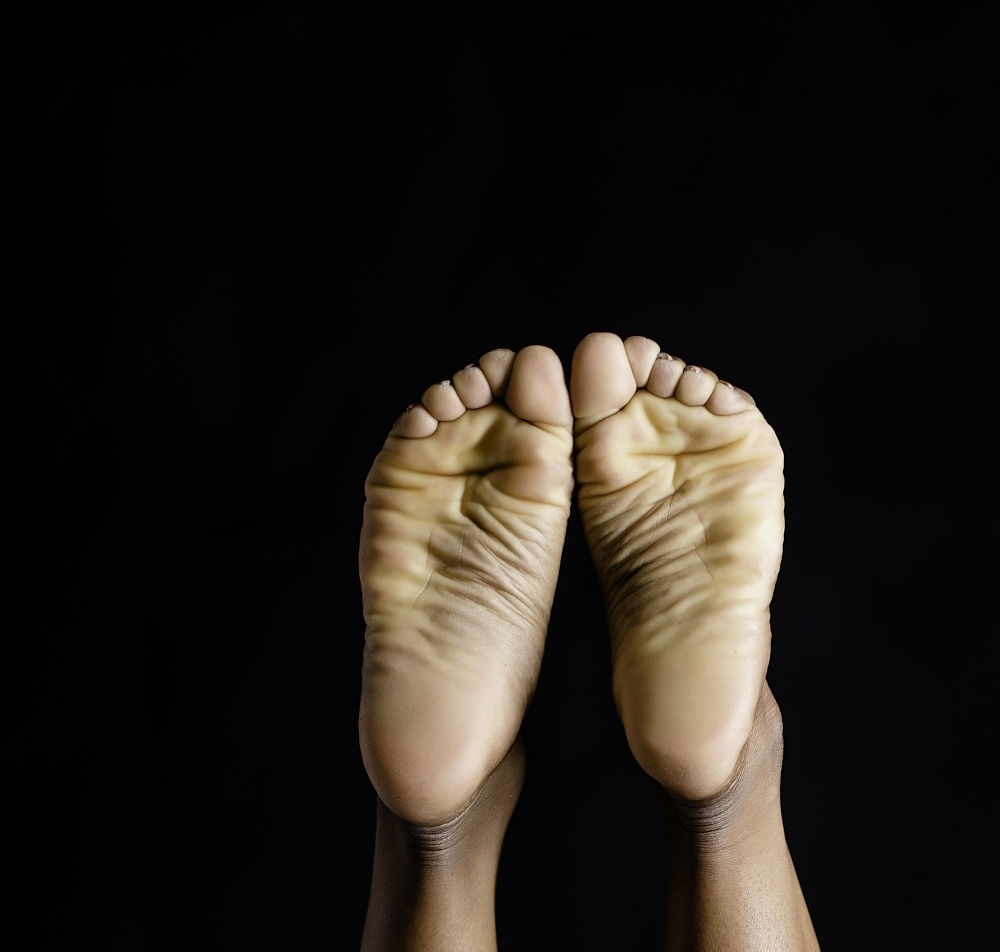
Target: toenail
(663, 355)
(693, 369)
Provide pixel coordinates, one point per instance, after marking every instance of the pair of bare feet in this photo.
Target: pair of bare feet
(678, 479)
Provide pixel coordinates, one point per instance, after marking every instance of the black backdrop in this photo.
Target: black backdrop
(318, 209)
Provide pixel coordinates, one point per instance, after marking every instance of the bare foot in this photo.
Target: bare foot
(465, 515)
(680, 491)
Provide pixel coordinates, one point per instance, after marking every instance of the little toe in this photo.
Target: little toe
(414, 423)
(727, 399)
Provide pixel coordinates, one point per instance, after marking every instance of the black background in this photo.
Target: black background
(316, 210)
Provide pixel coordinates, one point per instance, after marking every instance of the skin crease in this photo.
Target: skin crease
(678, 479)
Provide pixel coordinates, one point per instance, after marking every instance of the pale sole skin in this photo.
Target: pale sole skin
(680, 488)
(465, 515)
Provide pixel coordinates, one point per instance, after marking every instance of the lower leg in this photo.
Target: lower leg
(434, 886)
(732, 883)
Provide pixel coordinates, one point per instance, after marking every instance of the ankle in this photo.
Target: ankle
(749, 804)
(478, 828)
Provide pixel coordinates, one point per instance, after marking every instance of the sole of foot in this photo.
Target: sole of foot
(466, 509)
(680, 487)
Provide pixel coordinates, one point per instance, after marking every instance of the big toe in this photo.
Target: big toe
(537, 390)
(601, 378)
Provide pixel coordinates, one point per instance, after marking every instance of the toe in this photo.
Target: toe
(664, 374)
(496, 365)
(601, 381)
(472, 387)
(727, 399)
(536, 390)
(642, 352)
(442, 402)
(695, 386)
(414, 423)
